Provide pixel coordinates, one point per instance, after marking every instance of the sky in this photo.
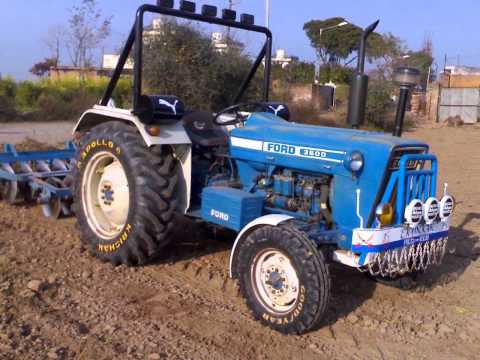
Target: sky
(453, 26)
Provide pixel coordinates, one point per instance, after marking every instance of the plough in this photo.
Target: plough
(38, 176)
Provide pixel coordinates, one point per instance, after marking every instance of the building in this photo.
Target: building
(110, 62)
(69, 72)
(219, 42)
(281, 58)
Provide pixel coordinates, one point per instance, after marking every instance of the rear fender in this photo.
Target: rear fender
(267, 220)
(173, 135)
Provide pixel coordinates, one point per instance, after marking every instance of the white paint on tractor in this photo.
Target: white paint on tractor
(272, 220)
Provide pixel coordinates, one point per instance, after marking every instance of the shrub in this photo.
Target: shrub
(181, 61)
(336, 74)
(27, 95)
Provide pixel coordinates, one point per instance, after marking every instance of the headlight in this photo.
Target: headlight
(384, 213)
(414, 213)
(447, 204)
(355, 161)
(431, 209)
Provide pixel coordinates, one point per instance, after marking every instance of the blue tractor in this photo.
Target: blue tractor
(298, 196)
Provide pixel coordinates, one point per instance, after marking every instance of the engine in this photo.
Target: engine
(303, 194)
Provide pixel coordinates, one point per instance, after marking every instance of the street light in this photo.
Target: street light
(317, 70)
(267, 13)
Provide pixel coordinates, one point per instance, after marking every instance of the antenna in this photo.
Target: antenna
(231, 4)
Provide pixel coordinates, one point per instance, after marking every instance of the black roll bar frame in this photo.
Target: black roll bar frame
(135, 42)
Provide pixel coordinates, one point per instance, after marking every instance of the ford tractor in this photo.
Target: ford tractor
(299, 197)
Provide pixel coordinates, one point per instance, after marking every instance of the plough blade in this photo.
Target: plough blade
(38, 176)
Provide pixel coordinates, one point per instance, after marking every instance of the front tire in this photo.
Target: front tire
(125, 194)
(284, 279)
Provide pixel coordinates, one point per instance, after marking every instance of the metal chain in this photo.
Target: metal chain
(417, 257)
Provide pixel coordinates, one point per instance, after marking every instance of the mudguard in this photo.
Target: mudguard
(169, 135)
(174, 135)
(272, 220)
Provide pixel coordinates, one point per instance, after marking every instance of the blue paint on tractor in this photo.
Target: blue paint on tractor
(268, 143)
(230, 208)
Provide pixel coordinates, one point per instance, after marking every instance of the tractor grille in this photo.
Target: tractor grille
(413, 175)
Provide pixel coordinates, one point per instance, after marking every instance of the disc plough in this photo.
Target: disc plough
(42, 177)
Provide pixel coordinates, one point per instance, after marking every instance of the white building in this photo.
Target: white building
(110, 62)
(219, 42)
(281, 58)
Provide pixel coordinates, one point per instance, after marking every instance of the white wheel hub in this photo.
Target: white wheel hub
(275, 281)
(106, 195)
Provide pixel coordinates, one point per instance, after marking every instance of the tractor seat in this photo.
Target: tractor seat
(160, 109)
(203, 131)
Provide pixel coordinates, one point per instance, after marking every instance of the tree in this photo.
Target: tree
(339, 43)
(88, 28)
(181, 60)
(54, 40)
(41, 68)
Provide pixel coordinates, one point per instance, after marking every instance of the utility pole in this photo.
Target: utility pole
(231, 4)
(267, 13)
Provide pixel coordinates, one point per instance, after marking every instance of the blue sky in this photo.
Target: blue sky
(452, 25)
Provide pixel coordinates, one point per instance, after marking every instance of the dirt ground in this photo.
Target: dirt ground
(56, 302)
(45, 132)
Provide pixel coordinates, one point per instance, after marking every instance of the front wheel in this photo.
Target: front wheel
(284, 279)
(125, 194)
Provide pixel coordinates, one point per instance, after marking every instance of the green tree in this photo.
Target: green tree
(42, 68)
(180, 60)
(335, 45)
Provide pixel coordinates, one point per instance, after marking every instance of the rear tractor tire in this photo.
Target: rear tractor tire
(125, 194)
(284, 279)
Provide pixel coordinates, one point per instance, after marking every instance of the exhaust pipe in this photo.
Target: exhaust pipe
(359, 86)
(407, 78)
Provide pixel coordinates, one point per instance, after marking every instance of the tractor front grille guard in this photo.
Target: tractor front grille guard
(412, 180)
(413, 258)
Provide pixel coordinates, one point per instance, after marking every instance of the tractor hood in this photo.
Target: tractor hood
(266, 136)
(270, 128)
(268, 142)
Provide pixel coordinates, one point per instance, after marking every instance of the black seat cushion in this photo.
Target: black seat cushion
(202, 130)
(160, 108)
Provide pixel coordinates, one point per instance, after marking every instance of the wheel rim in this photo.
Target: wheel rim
(275, 281)
(105, 195)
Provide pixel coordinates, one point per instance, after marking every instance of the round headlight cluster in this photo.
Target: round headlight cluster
(429, 211)
(414, 213)
(447, 204)
(355, 161)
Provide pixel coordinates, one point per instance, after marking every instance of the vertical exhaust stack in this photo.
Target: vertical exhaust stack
(359, 86)
(407, 78)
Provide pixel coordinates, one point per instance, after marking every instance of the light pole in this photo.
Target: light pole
(267, 13)
(317, 70)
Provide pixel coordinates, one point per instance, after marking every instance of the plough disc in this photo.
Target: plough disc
(53, 209)
(9, 189)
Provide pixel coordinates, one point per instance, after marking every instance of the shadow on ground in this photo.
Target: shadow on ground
(463, 250)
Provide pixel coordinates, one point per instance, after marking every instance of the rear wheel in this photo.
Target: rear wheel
(124, 194)
(284, 279)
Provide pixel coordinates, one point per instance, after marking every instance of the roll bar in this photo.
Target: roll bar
(135, 42)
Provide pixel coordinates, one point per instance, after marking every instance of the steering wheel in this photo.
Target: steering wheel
(239, 118)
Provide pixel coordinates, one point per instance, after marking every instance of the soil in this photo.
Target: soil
(43, 132)
(57, 302)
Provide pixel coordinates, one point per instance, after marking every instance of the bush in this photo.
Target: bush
(336, 74)
(181, 61)
(50, 100)
(26, 96)
(8, 88)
